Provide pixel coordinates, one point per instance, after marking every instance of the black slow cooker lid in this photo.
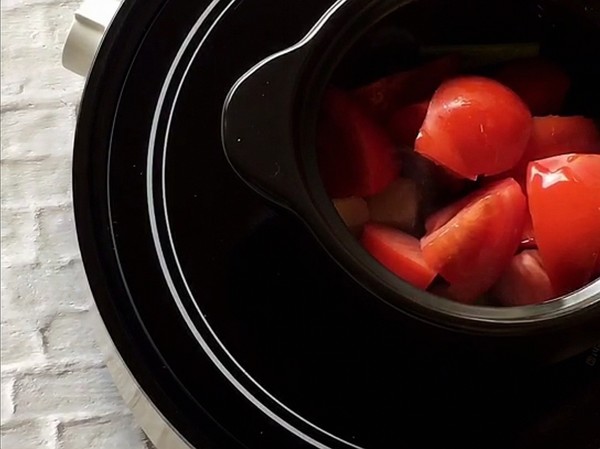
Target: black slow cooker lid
(229, 315)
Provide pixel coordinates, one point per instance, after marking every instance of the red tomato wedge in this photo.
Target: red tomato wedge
(475, 126)
(475, 246)
(398, 252)
(443, 216)
(406, 122)
(541, 84)
(553, 136)
(383, 96)
(564, 201)
(524, 282)
(356, 157)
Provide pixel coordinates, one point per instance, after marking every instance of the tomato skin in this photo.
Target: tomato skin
(474, 247)
(398, 252)
(438, 219)
(524, 282)
(356, 157)
(564, 201)
(475, 126)
(541, 84)
(406, 122)
(554, 135)
(445, 214)
(385, 95)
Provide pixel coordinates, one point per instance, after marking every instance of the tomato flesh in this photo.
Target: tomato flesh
(541, 84)
(355, 155)
(524, 282)
(474, 247)
(444, 215)
(385, 95)
(564, 201)
(475, 126)
(553, 136)
(398, 252)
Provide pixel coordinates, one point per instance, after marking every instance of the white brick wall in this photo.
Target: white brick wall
(55, 392)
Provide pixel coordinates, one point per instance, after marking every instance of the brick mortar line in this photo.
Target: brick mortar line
(20, 102)
(52, 158)
(67, 419)
(11, 103)
(44, 366)
(10, 159)
(62, 3)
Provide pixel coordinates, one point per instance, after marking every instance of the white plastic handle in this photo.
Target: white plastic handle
(89, 24)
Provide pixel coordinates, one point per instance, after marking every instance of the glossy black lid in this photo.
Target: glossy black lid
(225, 309)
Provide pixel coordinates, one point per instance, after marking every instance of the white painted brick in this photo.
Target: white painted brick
(31, 59)
(71, 393)
(19, 233)
(7, 297)
(6, 399)
(21, 341)
(115, 433)
(29, 435)
(49, 139)
(35, 183)
(69, 336)
(58, 241)
(12, 4)
(44, 290)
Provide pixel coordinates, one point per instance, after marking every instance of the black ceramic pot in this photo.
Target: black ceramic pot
(269, 123)
(242, 307)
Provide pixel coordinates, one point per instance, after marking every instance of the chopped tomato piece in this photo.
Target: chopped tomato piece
(443, 216)
(564, 201)
(398, 252)
(475, 246)
(541, 84)
(553, 136)
(524, 282)
(406, 122)
(396, 206)
(356, 157)
(475, 126)
(383, 96)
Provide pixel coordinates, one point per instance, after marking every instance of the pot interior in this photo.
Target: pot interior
(563, 32)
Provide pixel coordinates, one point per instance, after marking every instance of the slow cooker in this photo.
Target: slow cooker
(234, 308)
